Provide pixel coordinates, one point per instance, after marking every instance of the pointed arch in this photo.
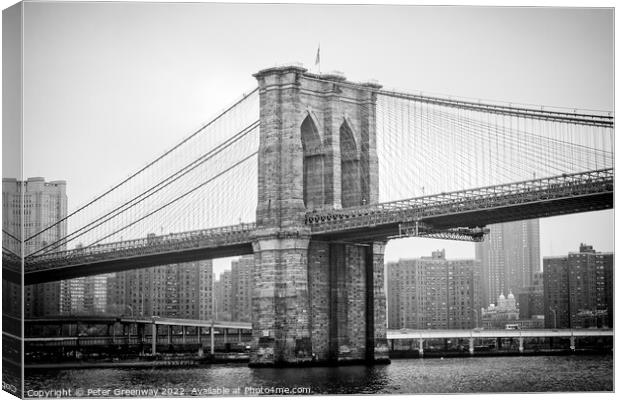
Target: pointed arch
(350, 186)
(313, 184)
(348, 144)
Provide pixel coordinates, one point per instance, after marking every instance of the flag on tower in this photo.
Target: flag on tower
(318, 55)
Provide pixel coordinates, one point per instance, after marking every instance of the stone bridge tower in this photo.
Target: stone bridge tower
(315, 300)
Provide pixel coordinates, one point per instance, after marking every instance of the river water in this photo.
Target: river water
(450, 375)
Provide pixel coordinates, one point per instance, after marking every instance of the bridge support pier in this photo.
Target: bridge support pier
(347, 302)
(421, 347)
(153, 338)
(201, 351)
(521, 347)
(212, 334)
(471, 346)
(280, 317)
(110, 333)
(315, 300)
(572, 343)
(326, 304)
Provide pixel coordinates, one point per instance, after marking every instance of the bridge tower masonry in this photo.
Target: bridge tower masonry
(315, 301)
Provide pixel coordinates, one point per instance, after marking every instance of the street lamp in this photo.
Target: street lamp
(129, 327)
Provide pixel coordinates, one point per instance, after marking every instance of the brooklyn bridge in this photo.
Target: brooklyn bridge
(313, 174)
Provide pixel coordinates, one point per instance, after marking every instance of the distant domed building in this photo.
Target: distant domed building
(506, 312)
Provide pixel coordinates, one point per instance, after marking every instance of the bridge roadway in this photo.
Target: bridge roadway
(221, 328)
(402, 334)
(138, 253)
(442, 214)
(494, 333)
(392, 334)
(111, 319)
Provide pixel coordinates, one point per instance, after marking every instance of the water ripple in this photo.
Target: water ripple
(454, 375)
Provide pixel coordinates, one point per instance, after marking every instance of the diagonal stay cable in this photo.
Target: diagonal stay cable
(177, 198)
(151, 191)
(211, 122)
(10, 235)
(11, 251)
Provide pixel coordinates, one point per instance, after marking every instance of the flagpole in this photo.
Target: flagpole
(317, 61)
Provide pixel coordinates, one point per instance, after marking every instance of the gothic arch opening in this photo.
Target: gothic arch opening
(312, 164)
(349, 168)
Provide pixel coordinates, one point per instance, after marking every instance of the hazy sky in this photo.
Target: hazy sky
(108, 86)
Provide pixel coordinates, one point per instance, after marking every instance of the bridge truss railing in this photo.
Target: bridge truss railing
(418, 208)
(204, 238)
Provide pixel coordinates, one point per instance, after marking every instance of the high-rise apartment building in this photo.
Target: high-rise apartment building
(578, 289)
(72, 298)
(509, 258)
(206, 304)
(84, 295)
(433, 293)
(223, 296)
(556, 298)
(241, 288)
(176, 291)
(43, 205)
(117, 293)
(531, 299)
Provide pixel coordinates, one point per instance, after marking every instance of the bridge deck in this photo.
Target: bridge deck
(564, 194)
(568, 193)
(141, 253)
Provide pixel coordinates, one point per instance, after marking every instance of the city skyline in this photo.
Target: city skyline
(164, 110)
